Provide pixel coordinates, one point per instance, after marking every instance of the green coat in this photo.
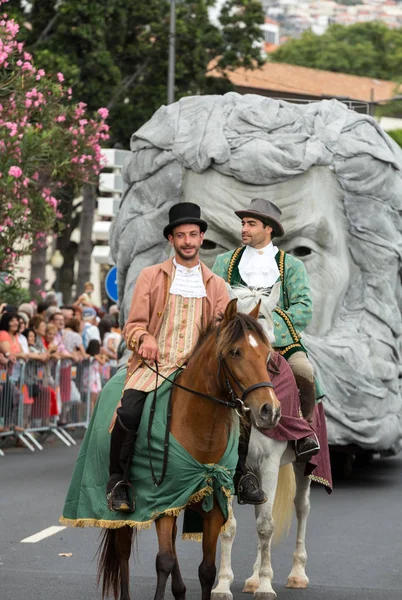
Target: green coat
(295, 307)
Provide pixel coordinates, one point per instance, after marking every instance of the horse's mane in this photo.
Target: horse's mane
(234, 331)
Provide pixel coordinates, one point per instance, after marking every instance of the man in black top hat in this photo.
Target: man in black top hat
(171, 301)
(259, 264)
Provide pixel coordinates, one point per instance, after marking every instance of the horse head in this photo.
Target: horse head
(248, 298)
(244, 351)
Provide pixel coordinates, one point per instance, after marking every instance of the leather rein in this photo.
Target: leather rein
(233, 402)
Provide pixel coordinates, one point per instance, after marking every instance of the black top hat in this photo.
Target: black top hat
(264, 211)
(183, 213)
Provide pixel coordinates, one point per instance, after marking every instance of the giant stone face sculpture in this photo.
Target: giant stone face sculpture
(336, 176)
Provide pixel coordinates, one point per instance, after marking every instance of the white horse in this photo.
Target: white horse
(284, 483)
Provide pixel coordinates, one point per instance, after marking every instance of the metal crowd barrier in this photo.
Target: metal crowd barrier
(38, 398)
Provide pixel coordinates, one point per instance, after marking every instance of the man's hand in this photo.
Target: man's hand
(149, 348)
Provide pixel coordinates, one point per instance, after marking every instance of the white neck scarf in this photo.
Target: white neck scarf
(188, 282)
(258, 268)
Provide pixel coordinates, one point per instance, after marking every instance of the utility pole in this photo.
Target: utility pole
(172, 52)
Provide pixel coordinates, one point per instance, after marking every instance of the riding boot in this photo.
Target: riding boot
(247, 486)
(307, 447)
(121, 451)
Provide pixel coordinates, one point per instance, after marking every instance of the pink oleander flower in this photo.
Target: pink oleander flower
(37, 281)
(103, 112)
(60, 77)
(15, 171)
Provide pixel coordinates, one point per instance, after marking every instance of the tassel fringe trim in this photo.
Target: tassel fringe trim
(141, 525)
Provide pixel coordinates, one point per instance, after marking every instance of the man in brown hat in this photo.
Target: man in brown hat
(173, 300)
(259, 264)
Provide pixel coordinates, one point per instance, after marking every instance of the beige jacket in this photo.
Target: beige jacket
(150, 298)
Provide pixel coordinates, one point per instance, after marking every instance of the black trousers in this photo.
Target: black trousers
(124, 434)
(244, 440)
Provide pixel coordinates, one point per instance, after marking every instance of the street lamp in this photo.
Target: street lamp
(172, 52)
(57, 261)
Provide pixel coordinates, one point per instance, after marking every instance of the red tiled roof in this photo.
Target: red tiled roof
(268, 47)
(291, 79)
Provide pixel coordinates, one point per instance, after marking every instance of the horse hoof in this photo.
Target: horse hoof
(264, 596)
(297, 583)
(251, 586)
(221, 595)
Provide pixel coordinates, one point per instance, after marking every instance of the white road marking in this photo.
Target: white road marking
(253, 341)
(37, 537)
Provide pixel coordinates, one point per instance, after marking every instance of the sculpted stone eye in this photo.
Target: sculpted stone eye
(208, 245)
(301, 251)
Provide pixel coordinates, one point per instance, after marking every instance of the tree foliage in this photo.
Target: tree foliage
(366, 49)
(48, 144)
(114, 53)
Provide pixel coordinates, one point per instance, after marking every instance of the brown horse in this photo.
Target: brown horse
(230, 361)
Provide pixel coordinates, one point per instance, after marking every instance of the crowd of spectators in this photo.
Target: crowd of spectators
(40, 335)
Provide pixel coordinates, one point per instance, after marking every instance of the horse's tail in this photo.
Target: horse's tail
(282, 511)
(109, 562)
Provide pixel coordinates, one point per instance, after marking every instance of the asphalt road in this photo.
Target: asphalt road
(354, 538)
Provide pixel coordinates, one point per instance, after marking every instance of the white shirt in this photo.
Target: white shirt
(258, 268)
(188, 283)
(90, 332)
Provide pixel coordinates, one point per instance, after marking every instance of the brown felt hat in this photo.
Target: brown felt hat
(264, 211)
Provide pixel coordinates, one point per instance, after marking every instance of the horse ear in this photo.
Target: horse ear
(256, 310)
(230, 312)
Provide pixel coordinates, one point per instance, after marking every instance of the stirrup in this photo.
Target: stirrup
(122, 504)
(255, 495)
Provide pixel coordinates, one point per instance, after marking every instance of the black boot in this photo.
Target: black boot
(118, 498)
(121, 451)
(249, 491)
(247, 486)
(307, 447)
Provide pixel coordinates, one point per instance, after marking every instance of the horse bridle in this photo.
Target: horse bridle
(245, 392)
(233, 402)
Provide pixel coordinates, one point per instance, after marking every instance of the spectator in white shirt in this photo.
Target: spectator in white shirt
(90, 331)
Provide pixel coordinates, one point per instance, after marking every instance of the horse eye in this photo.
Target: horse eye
(234, 352)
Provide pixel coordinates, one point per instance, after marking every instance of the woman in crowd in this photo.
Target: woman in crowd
(9, 343)
(11, 388)
(110, 334)
(72, 338)
(39, 326)
(23, 322)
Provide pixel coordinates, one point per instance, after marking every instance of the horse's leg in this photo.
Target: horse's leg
(123, 550)
(212, 523)
(298, 577)
(225, 577)
(265, 530)
(166, 558)
(252, 583)
(178, 586)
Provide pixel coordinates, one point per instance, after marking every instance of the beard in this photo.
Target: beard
(184, 256)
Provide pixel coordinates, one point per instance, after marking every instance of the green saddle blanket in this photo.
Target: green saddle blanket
(186, 479)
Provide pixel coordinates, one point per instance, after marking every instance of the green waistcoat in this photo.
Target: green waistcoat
(294, 310)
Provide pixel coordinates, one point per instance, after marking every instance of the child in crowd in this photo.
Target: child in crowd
(97, 362)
